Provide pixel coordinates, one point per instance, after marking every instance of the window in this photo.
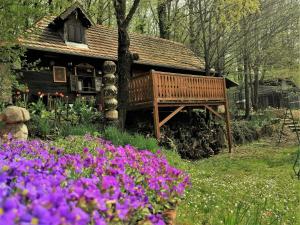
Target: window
(59, 74)
(85, 80)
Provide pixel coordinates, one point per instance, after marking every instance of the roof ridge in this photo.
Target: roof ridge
(139, 34)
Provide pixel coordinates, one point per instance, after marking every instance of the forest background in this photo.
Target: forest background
(245, 40)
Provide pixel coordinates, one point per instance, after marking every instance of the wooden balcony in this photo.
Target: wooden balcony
(173, 89)
(160, 89)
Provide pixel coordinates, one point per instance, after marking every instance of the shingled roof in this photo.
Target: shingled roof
(102, 43)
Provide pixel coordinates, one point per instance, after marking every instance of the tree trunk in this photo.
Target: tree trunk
(192, 33)
(124, 55)
(256, 87)
(207, 64)
(247, 93)
(251, 84)
(163, 23)
(124, 71)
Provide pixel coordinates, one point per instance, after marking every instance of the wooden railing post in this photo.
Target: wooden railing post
(228, 128)
(153, 78)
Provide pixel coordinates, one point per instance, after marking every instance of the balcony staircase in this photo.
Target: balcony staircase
(294, 125)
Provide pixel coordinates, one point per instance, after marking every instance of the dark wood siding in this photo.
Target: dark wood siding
(42, 81)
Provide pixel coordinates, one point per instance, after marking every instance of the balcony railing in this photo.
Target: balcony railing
(173, 88)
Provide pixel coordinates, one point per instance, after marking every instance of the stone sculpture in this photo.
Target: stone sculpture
(13, 120)
(110, 91)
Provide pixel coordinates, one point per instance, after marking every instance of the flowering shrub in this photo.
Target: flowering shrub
(42, 184)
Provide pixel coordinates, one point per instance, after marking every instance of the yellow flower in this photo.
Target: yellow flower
(25, 192)
(5, 168)
(34, 221)
(78, 217)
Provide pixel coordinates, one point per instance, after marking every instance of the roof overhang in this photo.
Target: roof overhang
(74, 53)
(230, 83)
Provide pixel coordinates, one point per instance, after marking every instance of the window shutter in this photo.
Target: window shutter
(98, 83)
(73, 83)
(71, 33)
(78, 36)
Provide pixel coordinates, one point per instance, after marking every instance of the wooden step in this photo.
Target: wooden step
(287, 119)
(297, 129)
(294, 126)
(289, 123)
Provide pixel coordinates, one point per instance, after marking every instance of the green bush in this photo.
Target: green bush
(262, 124)
(244, 132)
(79, 130)
(39, 126)
(2, 106)
(118, 137)
(63, 119)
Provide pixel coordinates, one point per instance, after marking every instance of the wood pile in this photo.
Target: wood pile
(189, 134)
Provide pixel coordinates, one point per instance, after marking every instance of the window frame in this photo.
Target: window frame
(55, 80)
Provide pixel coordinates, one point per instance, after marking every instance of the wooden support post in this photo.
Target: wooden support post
(227, 120)
(155, 104)
(156, 121)
(229, 137)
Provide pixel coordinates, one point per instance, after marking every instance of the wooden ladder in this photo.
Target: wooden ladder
(294, 125)
(290, 122)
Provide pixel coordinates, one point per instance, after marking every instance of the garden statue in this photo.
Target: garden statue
(110, 91)
(13, 120)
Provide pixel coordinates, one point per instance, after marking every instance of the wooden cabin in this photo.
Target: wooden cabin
(276, 93)
(71, 50)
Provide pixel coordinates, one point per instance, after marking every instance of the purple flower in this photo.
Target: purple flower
(43, 184)
(156, 219)
(108, 182)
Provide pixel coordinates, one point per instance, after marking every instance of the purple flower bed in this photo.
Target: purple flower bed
(41, 184)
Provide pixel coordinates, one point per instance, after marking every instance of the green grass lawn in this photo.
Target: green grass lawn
(254, 185)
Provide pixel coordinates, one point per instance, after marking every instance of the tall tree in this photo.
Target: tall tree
(164, 27)
(255, 38)
(192, 33)
(216, 21)
(15, 17)
(125, 57)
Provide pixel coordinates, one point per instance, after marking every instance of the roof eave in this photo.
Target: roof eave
(114, 59)
(170, 67)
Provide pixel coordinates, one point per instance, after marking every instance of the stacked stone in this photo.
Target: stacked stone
(14, 119)
(110, 91)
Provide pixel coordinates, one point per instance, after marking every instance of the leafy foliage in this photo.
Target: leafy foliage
(118, 137)
(64, 119)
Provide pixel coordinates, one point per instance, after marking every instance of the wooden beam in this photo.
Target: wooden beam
(170, 116)
(156, 121)
(155, 104)
(227, 119)
(214, 112)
